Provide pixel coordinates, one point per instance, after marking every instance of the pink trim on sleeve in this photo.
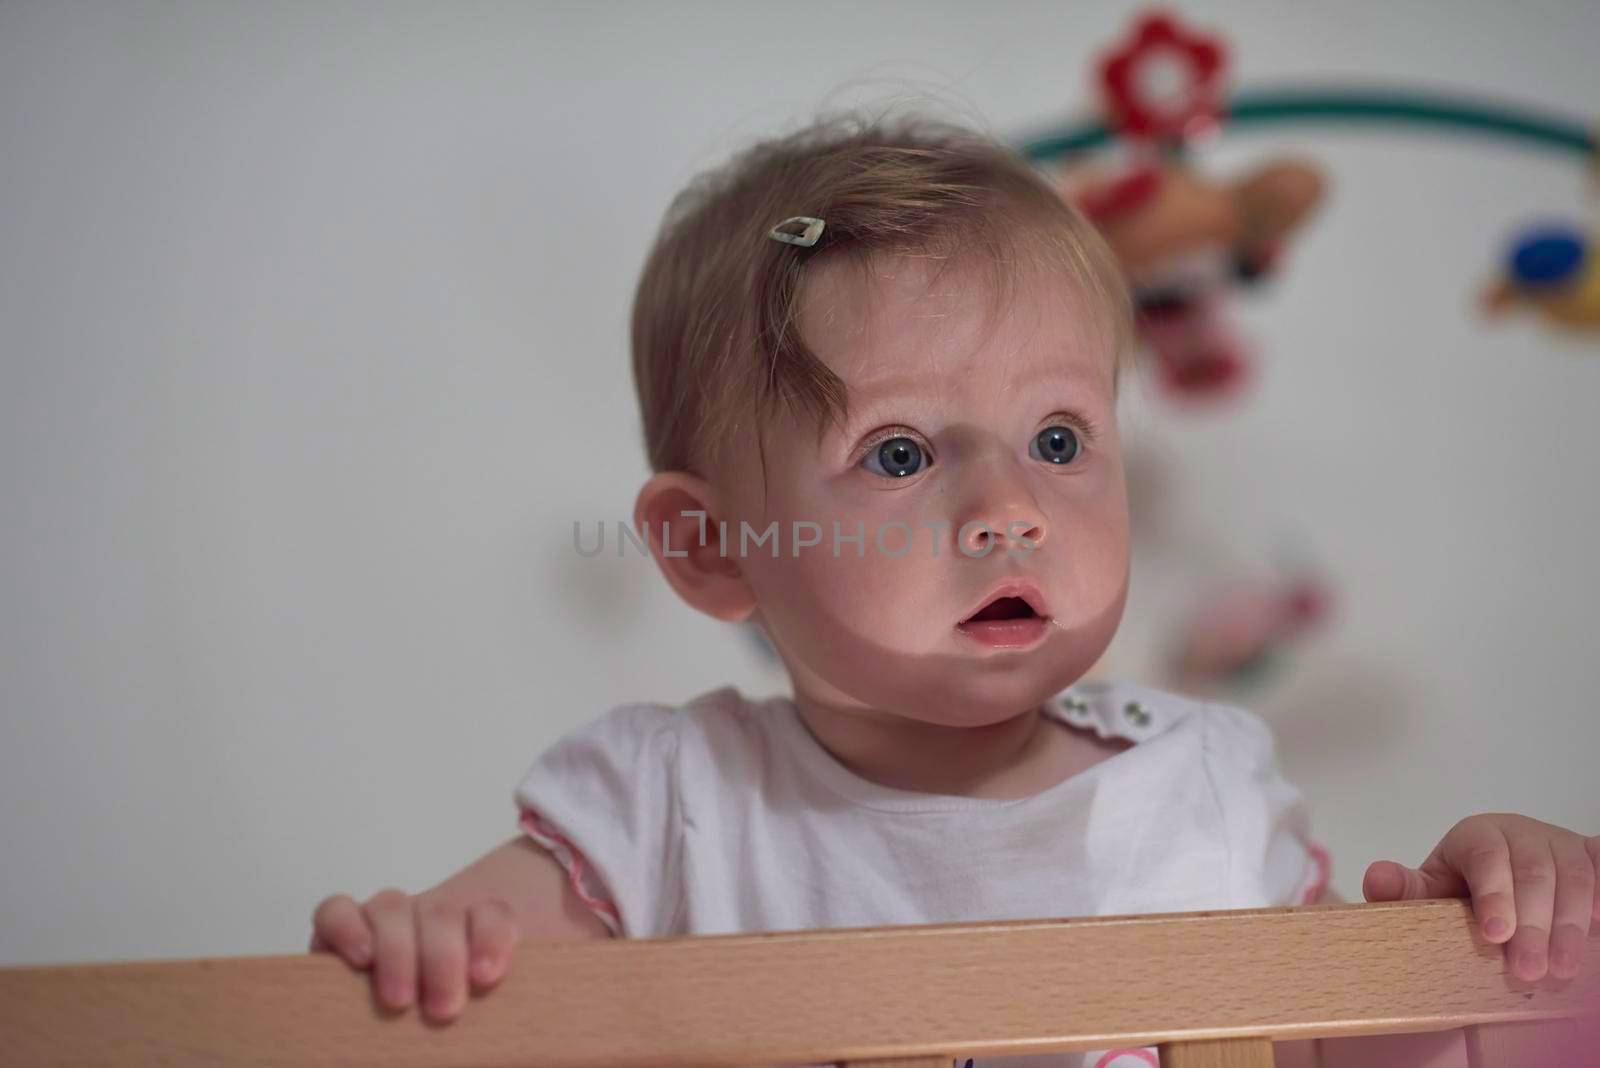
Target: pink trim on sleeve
(1324, 873)
(579, 872)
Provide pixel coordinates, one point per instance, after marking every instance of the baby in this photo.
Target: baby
(878, 366)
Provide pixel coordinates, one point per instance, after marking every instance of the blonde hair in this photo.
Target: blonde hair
(715, 343)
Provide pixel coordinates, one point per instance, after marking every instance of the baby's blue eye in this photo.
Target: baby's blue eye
(896, 458)
(1057, 444)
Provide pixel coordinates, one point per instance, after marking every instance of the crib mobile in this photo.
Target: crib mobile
(1188, 239)
(1190, 242)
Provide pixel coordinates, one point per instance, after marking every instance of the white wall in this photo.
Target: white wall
(313, 344)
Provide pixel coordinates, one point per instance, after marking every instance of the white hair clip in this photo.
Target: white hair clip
(796, 236)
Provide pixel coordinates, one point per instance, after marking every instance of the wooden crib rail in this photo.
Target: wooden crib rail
(1212, 988)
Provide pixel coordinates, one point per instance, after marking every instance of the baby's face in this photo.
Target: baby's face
(980, 458)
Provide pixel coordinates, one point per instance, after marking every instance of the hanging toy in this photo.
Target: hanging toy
(1162, 91)
(1166, 83)
(1236, 637)
(1185, 241)
(1187, 245)
(1554, 272)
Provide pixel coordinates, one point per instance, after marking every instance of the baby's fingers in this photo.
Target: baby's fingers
(1592, 847)
(1574, 903)
(337, 926)
(1534, 869)
(442, 939)
(394, 960)
(492, 934)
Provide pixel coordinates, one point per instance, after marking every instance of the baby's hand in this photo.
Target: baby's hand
(402, 937)
(1533, 886)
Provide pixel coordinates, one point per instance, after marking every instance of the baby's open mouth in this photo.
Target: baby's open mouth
(1014, 617)
(1003, 608)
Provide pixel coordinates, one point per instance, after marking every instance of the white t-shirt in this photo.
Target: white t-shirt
(727, 816)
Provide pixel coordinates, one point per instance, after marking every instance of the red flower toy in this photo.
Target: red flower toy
(1165, 83)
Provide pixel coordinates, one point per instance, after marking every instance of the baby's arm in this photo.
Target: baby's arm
(478, 914)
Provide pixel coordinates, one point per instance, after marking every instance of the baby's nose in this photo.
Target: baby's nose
(1018, 529)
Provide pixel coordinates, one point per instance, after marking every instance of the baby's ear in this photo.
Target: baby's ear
(677, 514)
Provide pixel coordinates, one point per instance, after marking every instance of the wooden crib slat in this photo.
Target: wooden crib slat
(806, 997)
(1222, 1053)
